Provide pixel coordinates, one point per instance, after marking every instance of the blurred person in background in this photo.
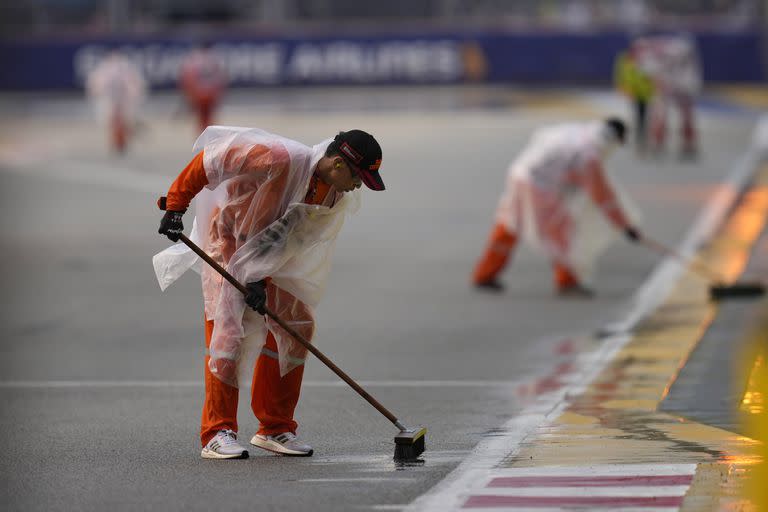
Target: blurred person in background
(637, 86)
(556, 191)
(203, 80)
(118, 90)
(673, 63)
(268, 209)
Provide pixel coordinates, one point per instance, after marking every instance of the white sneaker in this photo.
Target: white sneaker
(285, 444)
(224, 445)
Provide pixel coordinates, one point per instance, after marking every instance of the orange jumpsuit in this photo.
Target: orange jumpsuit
(273, 399)
(502, 241)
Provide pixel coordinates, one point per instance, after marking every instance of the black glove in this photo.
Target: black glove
(256, 297)
(171, 225)
(632, 234)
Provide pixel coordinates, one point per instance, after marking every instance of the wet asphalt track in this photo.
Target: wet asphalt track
(101, 372)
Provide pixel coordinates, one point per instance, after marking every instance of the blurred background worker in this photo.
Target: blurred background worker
(547, 203)
(630, 79)
(673, 63)
(202, 79)
(117, 89)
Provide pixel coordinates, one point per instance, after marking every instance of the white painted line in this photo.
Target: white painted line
(56, 384)
(448, 494)
(198, 383)
(356, 480)
(657, 490)
(108, 174)
(418, 383)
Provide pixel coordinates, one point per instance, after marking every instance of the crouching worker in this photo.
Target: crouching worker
(268, 209)
(554, 193)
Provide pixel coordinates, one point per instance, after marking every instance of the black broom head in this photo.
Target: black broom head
(736, 290)
(409, 444)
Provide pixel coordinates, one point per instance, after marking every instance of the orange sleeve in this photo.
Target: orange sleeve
(603, 196)
(191, 181)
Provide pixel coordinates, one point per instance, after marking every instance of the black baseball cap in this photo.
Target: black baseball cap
(361, 151)
(618, 127)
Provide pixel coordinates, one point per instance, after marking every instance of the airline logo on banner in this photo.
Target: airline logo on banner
(407, 61)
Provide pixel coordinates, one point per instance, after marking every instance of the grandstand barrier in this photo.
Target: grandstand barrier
(449, 58)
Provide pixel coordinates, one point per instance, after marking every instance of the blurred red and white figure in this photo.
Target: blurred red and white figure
(673, 63)
(561, 200)
(203, 80)
(118, 90)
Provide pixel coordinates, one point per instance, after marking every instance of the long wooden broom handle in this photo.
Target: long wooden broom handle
(695, 265)
(346, 378)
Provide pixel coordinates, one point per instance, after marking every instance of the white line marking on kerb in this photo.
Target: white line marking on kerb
(575, 491)
(447, 494)
(597, 470)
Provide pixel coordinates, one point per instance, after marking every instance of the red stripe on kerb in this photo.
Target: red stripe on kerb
(562, 501)
(589, 481)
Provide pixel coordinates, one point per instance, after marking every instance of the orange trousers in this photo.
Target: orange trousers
(273, 398)
(501, 243)
(204, 109)
(685, 105)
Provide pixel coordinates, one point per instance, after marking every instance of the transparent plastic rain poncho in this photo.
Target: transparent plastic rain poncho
(116, 85)
(251, 219)
(547, 199)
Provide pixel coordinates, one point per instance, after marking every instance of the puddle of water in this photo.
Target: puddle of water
(379, 463)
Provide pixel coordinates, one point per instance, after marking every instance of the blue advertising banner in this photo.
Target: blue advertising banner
(550, 58)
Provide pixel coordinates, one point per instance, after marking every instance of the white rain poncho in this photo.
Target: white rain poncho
(252, 221)
(114, 86)
(551, 193)
(672, 62)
